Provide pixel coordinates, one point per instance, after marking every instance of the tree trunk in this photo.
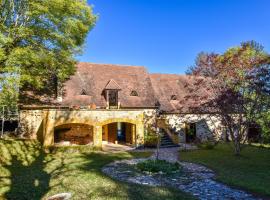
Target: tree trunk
(158, 146)
(237, 147)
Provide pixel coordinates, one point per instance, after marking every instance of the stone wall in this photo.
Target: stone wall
(40, 124)
(31, 122)
(43, 122)
(208, 126)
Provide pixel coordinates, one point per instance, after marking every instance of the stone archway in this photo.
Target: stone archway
(119, 132)
(73, 133)
(135, 129)
(96, 119)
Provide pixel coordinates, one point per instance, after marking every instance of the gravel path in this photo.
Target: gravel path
(194, 179)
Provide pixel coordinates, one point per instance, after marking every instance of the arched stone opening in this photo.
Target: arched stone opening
(73, 133)
(119, 133)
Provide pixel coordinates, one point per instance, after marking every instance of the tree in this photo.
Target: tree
(238, 83)
(8, 91)
(264, 123)
(204, 65)
(39, 41)
(151, 124)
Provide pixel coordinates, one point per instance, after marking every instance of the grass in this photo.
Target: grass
(155, 166)
(206, 145)
(27, 172)
(261, 145)
(250, 171)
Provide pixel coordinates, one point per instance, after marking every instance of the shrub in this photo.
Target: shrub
(150, 139)
(155, 166)
(264, 123)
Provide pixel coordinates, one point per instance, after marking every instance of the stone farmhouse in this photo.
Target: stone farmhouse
(104, 103)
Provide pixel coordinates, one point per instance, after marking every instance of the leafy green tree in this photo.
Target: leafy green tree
(264, 122)
(39, 41)
(8, 91)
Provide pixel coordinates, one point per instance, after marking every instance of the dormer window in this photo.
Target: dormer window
(83, 92)
(112, 97)
(111, 94)
(134, 93)
(173, 97)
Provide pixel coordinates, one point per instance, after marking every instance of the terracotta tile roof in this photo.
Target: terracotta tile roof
(179, 93)
(94, 78)
(174, 93)
(112, 85)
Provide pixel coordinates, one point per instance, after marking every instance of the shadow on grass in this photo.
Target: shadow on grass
(27, 172)
(22, 171)
(27, 182)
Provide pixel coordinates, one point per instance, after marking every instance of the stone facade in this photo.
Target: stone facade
(102, 96)
(208, 126)
(31, 125)
(41, 123)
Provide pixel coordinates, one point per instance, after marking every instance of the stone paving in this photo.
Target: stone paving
(116, 148)
(194, 179)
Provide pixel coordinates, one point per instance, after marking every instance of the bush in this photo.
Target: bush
(264, 123)
(155, 166)
(207, 145)
(150, 139)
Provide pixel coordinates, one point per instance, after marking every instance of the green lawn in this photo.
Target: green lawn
(27, 172)
(250, 171)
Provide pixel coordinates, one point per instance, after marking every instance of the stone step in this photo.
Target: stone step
(167, 138)
(169, 146)
(164, 139)
(166, 142)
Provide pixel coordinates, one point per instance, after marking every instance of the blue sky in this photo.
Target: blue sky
(166, 35)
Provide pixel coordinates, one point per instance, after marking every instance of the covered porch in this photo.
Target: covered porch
(87, 126)
(119, 133)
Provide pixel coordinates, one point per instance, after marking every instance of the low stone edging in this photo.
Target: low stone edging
(194, 179)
